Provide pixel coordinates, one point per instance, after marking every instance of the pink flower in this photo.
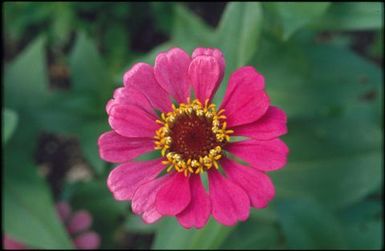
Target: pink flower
(77, 225)
(155, 109)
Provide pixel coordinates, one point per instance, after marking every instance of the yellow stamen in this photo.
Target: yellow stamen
(163, 138)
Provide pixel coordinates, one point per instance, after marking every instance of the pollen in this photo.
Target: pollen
(192, 136)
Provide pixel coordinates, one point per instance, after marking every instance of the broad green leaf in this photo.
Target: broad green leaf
(336, 182)
(297, 14)
(117, 42)
(65, 113)
(238, 32)
(333, 130)
(171, 235)
(25, 78)
(189, 31)
(238, 37)
(89, 75)
(252, 234)
(352, 16)
(307, 79)
(62, 17)
(10, 119)
(327, 138)
(308, 225)
(88, 137)
(363, 225)
(28, 210)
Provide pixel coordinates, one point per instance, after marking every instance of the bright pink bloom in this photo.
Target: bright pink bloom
(193, 137)
(77, 225)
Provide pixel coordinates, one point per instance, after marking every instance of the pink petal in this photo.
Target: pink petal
(109, 104)
(132, 121)
(88, 240)
(171, 73)
(271, 125)
(80, 221)
(9, 243)
(130, 95)
(267, 155)
(245, 101)
(64, 210)
(141, 77)
(216, 53)
(197, 213)
(143, 201)
(174, 196)
(229, 202)
(126, 178)
(205, 74)
(255, 183)
(115, 148)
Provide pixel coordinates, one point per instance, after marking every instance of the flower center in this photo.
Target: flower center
(192, 137)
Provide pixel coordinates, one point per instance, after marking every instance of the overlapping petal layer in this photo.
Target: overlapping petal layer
(271, 125)
(245, 100)
(255, 183)
(229, 202)
(206, 72)
(197, 213)
(117, 149)
(171, 73)
(126, 178)
(134, 110)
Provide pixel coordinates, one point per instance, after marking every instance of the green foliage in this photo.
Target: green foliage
(94, 197)
(9, 125)
(352, 16)
(327, 196)
(307, 224)
(26, 79)
(296, 15)
(28, 212)
(171, 235)
(253, 234)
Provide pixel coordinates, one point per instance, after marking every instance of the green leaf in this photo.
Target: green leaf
(337, 182)
(28, 211)
(332, 129)
(89, 75)
(316, 76)
(25, 78)
(66, 112)
(189, 31)
(88, 137)
(307, 225)
(62, 16)
(238, 32)
(238, 37)
(171, 235)
(117, 43)
(252, 234)
(10, 122)
(363, 225)
(352, 16)
(296, 15)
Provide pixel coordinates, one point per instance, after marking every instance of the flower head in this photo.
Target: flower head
(168, 108)
(77, 225)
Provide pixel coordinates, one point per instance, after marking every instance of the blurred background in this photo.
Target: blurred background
(323, 65)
